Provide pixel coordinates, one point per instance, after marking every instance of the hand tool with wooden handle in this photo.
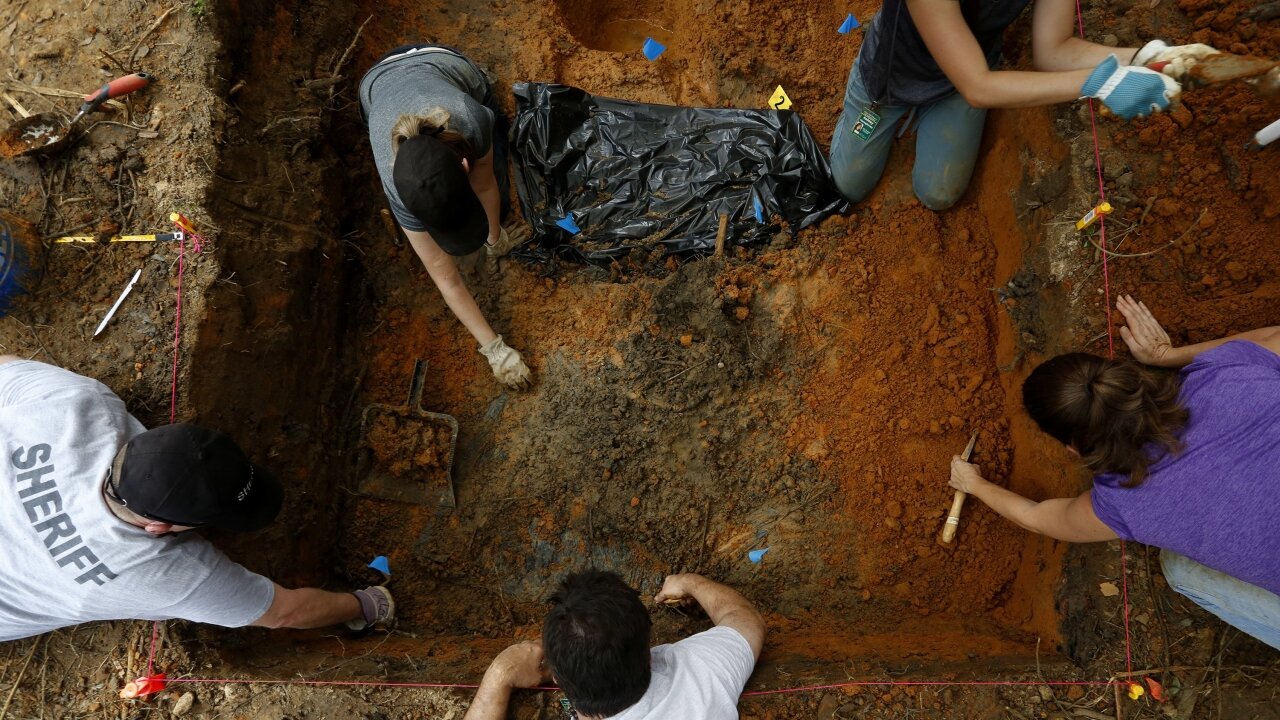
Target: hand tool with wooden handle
(953, 517)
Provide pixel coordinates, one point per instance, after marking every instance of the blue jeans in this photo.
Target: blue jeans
(948, 135)
(1247, 607)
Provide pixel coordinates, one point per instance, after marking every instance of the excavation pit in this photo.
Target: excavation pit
(804, 397)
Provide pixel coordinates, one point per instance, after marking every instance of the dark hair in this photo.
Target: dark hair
(1111, 411)
(596, 640)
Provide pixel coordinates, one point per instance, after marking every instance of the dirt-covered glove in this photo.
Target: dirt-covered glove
(376, 608)
(508, 367)
(509, 238)
(1130, 91)
(1179, 58)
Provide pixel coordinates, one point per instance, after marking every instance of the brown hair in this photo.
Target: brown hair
(1110, 411)
(436, 124)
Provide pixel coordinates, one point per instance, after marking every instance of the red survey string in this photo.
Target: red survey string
(185, 230)
(750, 693)
(1111, 342)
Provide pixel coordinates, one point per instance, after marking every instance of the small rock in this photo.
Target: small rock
(1236, 271)
(1182, 116)
(1164, 207)
(635, 500)
(183, 705)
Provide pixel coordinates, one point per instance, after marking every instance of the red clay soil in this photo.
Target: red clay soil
(805, 399)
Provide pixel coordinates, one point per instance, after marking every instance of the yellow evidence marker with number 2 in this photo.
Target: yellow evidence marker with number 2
(779, 100)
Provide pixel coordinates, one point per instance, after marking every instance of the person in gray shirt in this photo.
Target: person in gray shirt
(95, 514)
(432, 119)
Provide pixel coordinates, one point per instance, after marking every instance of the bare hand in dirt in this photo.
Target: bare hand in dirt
(675, 589)
(1148, 342)
(521, 666)
(965, 477)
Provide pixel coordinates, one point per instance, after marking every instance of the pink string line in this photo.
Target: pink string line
(750, 693)
(1111, 341)
(197, 245)
(177, 331)
(1102, 229)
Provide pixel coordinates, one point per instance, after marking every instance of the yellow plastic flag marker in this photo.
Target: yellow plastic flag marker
(1092, 216)
(1136, 691)
(779, 100)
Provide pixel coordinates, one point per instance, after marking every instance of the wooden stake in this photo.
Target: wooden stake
(390, 223)
(720, 234)
(17, 106)
(957, 503)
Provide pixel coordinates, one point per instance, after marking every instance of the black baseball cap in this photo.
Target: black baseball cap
(433, 186)
(183, 474)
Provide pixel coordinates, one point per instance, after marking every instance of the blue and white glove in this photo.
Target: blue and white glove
(1130, 91)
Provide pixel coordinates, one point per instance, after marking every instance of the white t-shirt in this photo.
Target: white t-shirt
(698, 678)
(66, 559)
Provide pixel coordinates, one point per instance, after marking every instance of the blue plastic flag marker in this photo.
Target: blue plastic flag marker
(381, 564)
(567, 223)
(759, 210)
(848, 25)
(756, 556)
(653, 49)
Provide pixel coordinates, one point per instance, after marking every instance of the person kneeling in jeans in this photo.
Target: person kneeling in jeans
(1187, 462)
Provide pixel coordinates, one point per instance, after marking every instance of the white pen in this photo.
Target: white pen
(111, 313)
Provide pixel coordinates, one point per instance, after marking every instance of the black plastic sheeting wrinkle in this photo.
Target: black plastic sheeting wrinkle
(634, 175)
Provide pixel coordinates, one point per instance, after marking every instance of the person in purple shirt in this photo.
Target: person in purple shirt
(1187, 462)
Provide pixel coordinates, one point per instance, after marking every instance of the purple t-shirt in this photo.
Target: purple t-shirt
(1217, 501)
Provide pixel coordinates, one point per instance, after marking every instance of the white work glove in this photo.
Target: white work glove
(508, 367)
(1180, 58)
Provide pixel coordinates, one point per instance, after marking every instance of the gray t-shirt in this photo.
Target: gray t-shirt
(698, 677)
(413, 83)
(66, 558)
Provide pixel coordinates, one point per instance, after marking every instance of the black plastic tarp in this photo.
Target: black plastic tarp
(635, 175)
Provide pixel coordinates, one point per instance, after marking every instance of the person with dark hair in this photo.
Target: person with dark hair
(1187, 462)
(439, 144)
(935, 63)
(595, 644)
(95, 512)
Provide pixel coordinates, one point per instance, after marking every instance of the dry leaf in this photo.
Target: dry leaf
(1109, 589)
